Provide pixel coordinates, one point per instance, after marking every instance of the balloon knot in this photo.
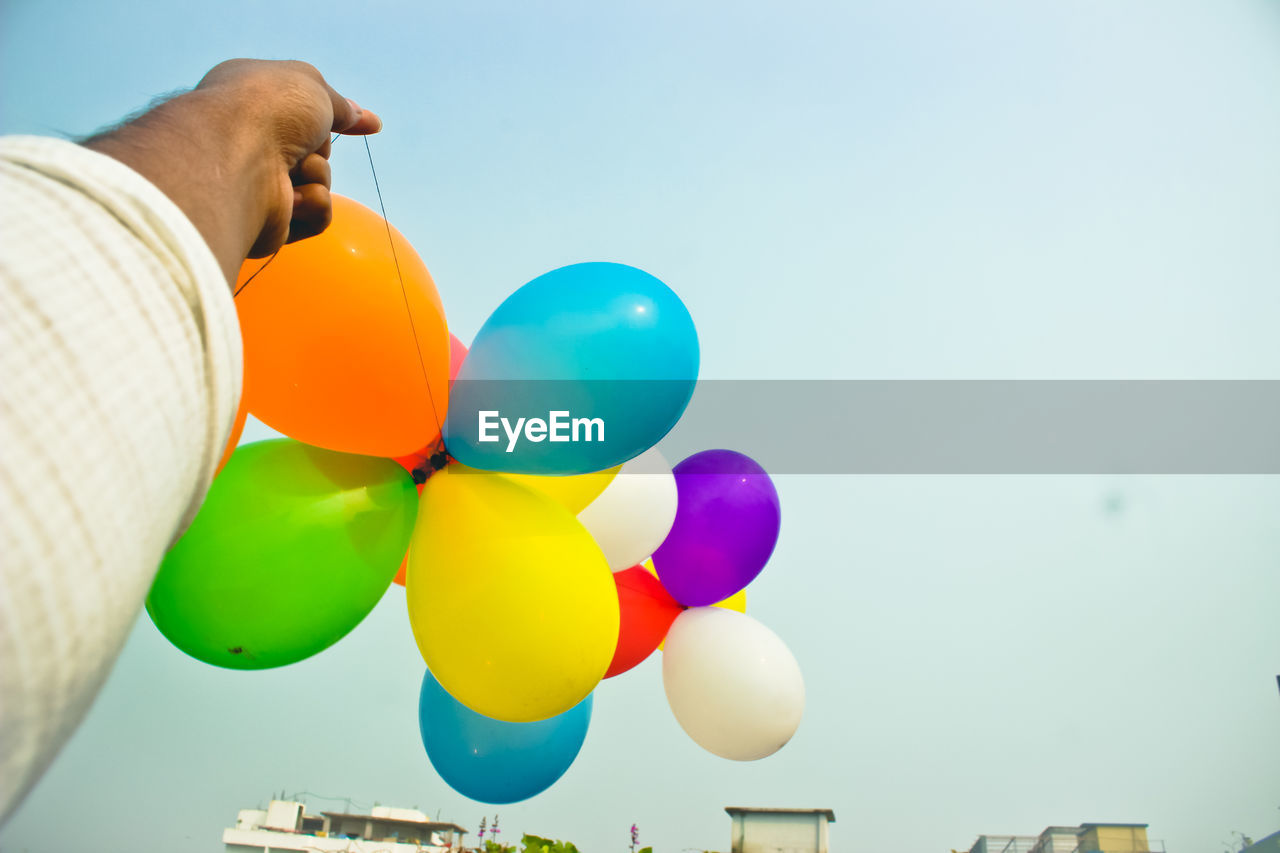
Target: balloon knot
(438, 459)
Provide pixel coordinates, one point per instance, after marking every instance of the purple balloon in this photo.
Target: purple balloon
(727, 520)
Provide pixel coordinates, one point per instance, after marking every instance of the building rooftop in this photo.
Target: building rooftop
(737, 810)
(416, 824)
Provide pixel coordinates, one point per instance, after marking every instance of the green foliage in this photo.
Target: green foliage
(534, 844)
(494, 847)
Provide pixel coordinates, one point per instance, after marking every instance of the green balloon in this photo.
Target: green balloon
(293, 547)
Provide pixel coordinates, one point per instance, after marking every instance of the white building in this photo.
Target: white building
(285, 825)
(1085, 838)
(780, 830)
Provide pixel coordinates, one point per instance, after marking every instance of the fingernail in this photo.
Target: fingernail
(355, 107)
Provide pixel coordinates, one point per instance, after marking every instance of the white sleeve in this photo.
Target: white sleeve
(120, 366)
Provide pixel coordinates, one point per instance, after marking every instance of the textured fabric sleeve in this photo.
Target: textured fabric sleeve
(120, 367)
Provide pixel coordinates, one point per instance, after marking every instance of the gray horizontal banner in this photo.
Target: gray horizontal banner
(888, 427)
(987, 427)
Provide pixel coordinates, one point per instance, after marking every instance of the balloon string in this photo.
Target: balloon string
(255, 275)
(405, 294)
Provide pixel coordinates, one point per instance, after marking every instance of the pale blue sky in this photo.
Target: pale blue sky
(861, 190)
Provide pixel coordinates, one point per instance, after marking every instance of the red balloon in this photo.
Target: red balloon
(647, 613)
(457, 352)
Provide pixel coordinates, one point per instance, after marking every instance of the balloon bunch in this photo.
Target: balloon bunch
(514, 487)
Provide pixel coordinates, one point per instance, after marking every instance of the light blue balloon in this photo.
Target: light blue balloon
(607, 345)
(494, 761)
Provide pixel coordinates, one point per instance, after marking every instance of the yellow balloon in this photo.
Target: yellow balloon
(737, 601)
(573, 492)
(511, 601)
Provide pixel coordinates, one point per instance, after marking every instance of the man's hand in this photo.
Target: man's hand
(244, 154)
(296, 110)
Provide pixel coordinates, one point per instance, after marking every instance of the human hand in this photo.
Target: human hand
(244, 154)
(294, 110)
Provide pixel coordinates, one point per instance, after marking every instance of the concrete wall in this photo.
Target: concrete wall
(779, 833)
(259, 840)
(399, 814)
(283, 814)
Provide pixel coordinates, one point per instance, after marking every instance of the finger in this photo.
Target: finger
(312, 211)
(366, 122)
(350, 118)
(273, 236)
(314, 169)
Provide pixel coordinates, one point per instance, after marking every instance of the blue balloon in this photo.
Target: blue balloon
(493, 761)
(579, 370)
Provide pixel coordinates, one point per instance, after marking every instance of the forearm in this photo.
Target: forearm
(199, 151)
(121, 353)
(121, 364)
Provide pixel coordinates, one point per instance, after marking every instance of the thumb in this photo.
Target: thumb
(348, 117)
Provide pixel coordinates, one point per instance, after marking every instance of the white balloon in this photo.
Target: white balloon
(733, 685)
(635, 512)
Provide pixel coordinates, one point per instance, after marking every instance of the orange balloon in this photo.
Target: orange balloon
(237, 427)
(329, 339)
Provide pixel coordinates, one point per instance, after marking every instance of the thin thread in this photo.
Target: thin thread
(255, 275)
(403, 292)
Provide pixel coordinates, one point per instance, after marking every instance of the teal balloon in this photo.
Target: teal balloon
(493, 761)
(579, 370)
(293, 547)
